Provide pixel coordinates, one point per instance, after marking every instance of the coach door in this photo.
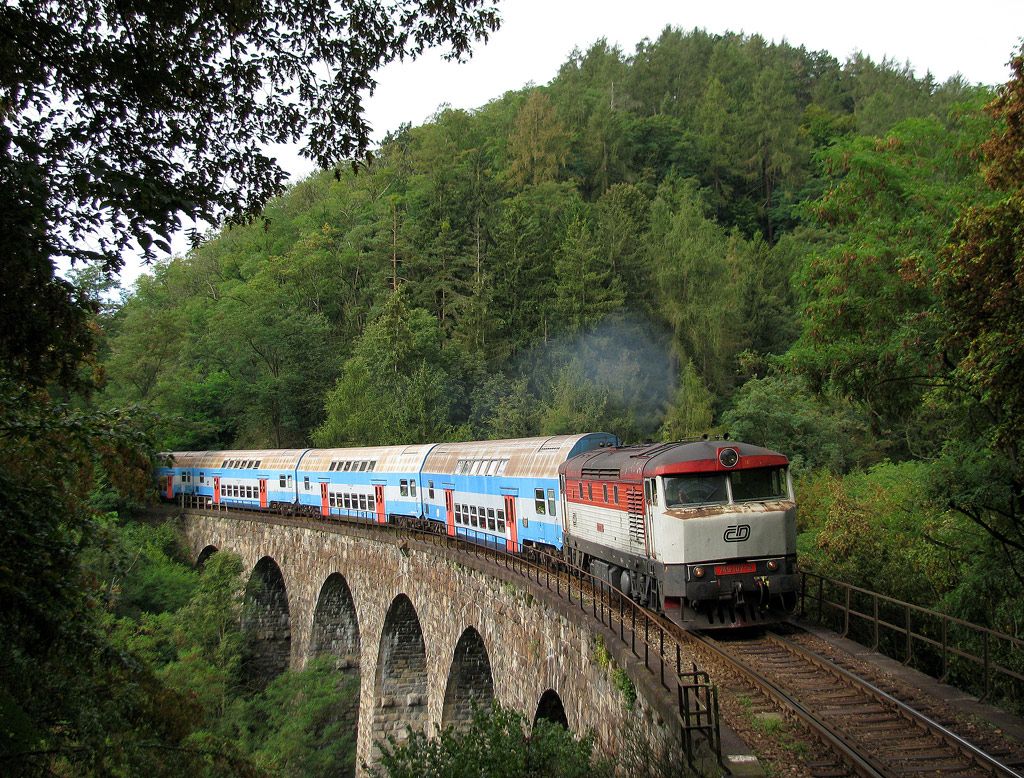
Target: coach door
(263, 492)
(170, 486)
(378, 496)
(325, 506)
(510, 517)
(449, 504)
(216, 490)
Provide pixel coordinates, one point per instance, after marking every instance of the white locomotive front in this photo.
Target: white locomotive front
(704, 531)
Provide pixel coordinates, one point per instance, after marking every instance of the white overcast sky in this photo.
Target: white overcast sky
(975, 39)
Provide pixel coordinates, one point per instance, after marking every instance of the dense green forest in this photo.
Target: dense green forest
(712, 233)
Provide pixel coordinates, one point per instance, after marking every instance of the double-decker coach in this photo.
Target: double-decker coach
(504, 492)
(375, 482)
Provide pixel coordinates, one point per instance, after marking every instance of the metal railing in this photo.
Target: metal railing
(695, 697)
(931, 641)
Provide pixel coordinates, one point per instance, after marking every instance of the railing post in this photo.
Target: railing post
(622, 623)
(985, 634)
(874, 599)
(803, 594)
(945, 647)
(661, 651)
(821, 596)
(846, 613)
(632, 633)
(647, 642)
(682, 718)
(910, 640)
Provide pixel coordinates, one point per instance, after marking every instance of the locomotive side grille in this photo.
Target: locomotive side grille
(601, 472)
(635, 506)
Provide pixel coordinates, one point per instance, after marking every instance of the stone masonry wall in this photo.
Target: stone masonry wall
(533, 642)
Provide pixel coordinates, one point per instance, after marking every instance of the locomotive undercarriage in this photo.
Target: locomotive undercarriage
(634, 576)
(729, 598)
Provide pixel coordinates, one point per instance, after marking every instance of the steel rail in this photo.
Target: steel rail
(987, 762)
(861, 765)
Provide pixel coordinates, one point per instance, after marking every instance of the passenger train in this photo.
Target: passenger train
(703, 531)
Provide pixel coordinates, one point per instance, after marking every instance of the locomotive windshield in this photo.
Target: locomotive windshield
(763, 483)
(686, 490)
(766, 483)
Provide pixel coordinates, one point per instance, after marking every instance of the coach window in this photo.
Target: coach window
(412, 488)
(501, 520)
(551, 502)
(490, 519)
(403, 488)
(430, 489)
(472, 515)
(305, 482)
(538, 501)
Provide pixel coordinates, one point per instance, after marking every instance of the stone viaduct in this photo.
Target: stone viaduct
(428, 630)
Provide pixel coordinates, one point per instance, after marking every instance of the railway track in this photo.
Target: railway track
(867, 730)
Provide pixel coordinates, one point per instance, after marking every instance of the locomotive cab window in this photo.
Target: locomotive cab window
(686, 490)
(764, 483)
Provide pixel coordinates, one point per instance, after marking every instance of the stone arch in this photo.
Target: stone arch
(470, 681)
(401, 683)
(266, 625)
(204, 555)
(336, 635)
(335, 623)
(550, 708)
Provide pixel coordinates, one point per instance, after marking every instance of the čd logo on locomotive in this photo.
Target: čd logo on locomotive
(736, 532)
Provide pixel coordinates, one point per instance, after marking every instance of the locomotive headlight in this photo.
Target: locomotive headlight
(728, 457)
(698, 572)
(773, 564)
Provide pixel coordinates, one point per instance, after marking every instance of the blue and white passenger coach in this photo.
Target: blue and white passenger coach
(373, 483)
(260, 478)
(502, 491)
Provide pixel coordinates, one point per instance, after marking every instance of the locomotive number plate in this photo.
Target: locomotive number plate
(741, 567)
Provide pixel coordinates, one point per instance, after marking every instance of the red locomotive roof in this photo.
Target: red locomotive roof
(633, 463)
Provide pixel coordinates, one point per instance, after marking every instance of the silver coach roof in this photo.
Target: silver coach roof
(527, 457)
(400, 459)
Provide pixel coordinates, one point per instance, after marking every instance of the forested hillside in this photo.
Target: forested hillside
(712, 232)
